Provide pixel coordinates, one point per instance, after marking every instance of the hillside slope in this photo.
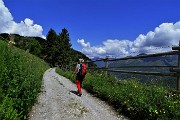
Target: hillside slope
(20, 81)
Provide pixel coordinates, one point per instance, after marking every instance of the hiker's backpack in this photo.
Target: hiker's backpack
(82, 70)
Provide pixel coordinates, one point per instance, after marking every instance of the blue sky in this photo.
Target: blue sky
(98, 27)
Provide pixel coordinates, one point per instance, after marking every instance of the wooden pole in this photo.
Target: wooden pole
(106, 64)
(87, 63)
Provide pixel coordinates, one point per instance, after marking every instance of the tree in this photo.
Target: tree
(35, 47)
(57, 50)
(50, 47)
(64, 53)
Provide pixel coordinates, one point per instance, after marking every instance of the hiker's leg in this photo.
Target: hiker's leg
(78, 83)
(81, 80)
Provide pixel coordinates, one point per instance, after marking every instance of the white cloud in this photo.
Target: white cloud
(82, 42)
(166, 34)
(28, 22)
(113, 48)
(25, 28)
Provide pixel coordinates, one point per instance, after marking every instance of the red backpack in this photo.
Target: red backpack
(82, 70)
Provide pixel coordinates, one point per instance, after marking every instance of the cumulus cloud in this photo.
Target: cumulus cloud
(82, 42)
(28, 22)
(109, 47)
(159, 40)
(24, 28)
(166, 34)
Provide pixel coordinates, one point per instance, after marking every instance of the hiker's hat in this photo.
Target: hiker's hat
(81, 60)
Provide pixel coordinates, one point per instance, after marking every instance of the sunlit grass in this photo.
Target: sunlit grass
(20, 81)
(130, 97)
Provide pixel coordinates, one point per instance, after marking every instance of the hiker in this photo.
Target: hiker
(80, 75)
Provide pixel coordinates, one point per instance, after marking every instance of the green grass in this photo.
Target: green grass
(20, 81)
(133, 99)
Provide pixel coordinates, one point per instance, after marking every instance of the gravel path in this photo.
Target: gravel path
(58, 102)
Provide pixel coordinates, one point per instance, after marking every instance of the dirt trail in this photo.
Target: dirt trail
(58, 102)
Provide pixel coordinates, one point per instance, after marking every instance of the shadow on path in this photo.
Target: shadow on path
(73, 91)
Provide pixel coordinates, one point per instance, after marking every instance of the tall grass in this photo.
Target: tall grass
(130, 97)
(20, 81)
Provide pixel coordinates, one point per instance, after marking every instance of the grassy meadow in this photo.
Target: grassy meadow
(130, 97)
(20, 81)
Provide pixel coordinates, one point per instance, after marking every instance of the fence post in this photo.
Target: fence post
(178, 77)
(106, 64)
(87, 61)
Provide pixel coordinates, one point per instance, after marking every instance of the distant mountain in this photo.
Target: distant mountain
(142, 54)
(170, 60)
(151, 61)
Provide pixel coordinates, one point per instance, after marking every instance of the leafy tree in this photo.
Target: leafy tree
(23, 43)
(30, 44)
(35, 47)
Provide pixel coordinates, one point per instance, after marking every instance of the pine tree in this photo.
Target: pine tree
(64, 48)
(50, 47)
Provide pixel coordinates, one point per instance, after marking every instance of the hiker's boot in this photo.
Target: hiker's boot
(79, 94)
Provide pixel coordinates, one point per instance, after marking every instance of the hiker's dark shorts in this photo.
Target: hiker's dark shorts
(80, 77)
